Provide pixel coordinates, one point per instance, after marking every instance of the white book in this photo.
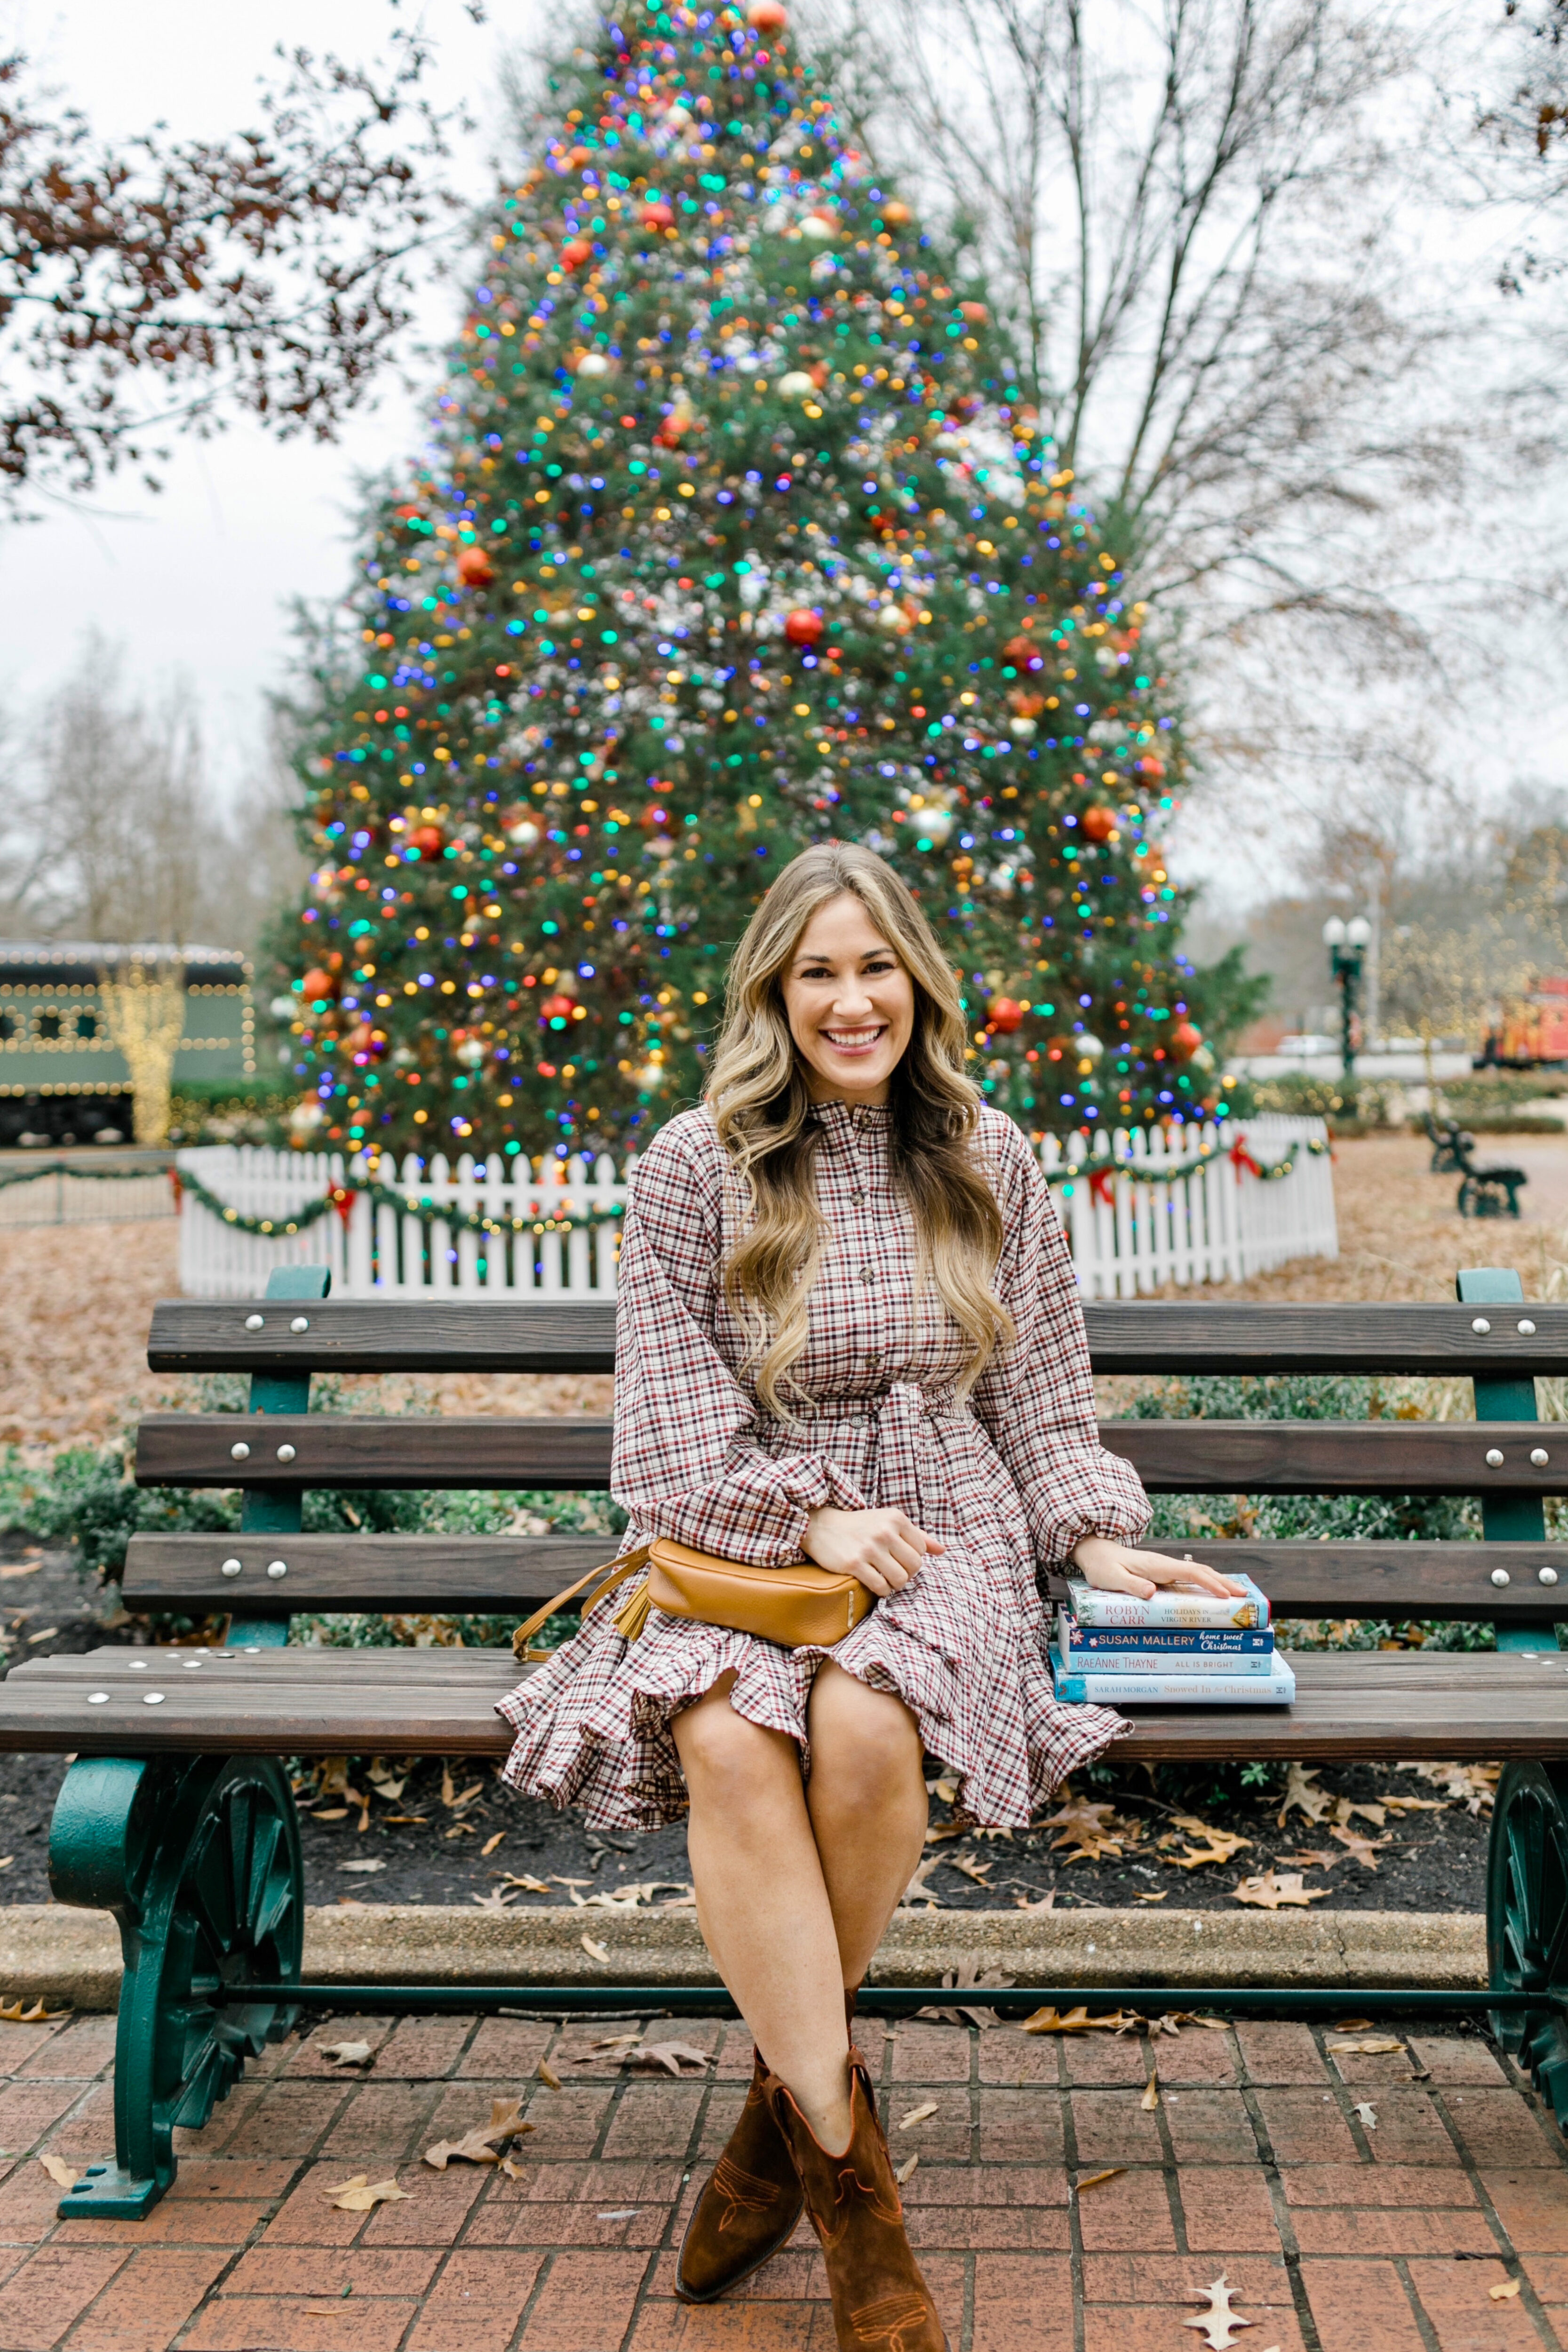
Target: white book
(1277, 1689)
(1170, 1605)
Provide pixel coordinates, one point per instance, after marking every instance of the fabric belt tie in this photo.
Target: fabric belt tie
(898, 1443)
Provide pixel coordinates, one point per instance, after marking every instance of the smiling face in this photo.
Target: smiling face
(850, 1004)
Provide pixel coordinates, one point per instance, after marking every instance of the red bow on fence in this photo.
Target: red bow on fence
(1243, 1159)
(177, 1189)
(343, 1201)
(1099, 1184)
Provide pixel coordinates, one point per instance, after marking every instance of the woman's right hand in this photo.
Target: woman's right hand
(881, 1549)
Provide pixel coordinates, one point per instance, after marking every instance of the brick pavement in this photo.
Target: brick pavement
(1354, 2203)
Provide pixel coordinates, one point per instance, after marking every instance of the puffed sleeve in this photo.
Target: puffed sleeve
(686, 1461)
(1035, 1399)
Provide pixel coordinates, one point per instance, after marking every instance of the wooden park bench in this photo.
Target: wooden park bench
(178, 1815)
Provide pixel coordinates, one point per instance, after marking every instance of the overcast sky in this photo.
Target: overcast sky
(200, 577)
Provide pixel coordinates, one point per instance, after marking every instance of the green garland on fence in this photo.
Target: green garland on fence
(1101, 1173)
(385, 1196)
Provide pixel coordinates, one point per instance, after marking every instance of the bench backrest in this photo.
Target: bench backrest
(1504, 1457)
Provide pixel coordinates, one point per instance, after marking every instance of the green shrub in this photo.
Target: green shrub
(1367, 1101)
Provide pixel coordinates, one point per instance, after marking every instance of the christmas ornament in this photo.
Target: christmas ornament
(1005, 1015)
(1023, 653)
(803, 626)
(592, 363)
(767, 16)
(475, 569)
(1097, 822)
(1185, 1039)
(796, 385)
(575, 252)
(428, 839)
(317, 986)
(658, 215)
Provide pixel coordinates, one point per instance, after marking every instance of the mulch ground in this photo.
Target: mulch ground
(1409, 2201)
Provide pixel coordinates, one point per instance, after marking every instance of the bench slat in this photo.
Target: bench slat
(497, 1573)
(444, 1335)
(1381, 1706)
(1224, 1457)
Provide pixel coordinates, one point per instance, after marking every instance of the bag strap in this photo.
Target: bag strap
(613, 1571)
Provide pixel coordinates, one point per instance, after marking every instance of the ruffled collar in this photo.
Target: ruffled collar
(853, 1119)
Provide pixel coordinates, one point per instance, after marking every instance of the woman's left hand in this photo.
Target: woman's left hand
(1124, 1567)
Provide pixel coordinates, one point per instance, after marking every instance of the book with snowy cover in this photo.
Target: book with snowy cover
(1170, 1605)
(1168, 1649)
(1277, 1689)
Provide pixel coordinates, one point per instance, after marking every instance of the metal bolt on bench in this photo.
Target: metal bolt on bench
(178, 1815)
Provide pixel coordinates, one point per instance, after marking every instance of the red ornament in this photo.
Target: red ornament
(973, 313)
(319, 984)
(1005, 1015)
(557, 1008)
(767, 15)
(575, 252)
(803, 626)
(1099, 822)
(1022, 652)
(1185, 1039)
(475, 569)
(428, 839)
(658, 215)
(1151, 766)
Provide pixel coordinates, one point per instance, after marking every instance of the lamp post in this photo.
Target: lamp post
(1347, 944)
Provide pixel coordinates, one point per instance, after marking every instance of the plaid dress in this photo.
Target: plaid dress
(1009, 1478)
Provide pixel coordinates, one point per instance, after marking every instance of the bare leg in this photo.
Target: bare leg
(762, 1903)
(867, 1804)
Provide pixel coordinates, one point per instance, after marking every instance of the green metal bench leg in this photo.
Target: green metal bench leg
(1527, 1866)
(198, 1858)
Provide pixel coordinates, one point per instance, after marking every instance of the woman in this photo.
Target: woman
(847, 1329)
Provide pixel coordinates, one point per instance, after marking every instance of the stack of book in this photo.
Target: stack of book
(1179, 1647)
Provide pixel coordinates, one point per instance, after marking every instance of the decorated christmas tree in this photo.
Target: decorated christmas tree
(734, 533)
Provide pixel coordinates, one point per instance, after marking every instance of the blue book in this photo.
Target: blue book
(1161, 1689)
(1148, 1649)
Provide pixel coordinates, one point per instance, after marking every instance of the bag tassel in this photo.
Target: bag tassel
(613, 1571)
(632, 1615)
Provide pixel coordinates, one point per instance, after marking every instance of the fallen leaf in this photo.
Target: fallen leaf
(334, 1813)
(1363, 1849)
(1149, 1898)
(980, 1872)
(907, 2170)
(346, 2054)
(1353, 2025)
(20, 1568)
(1221, 1846)
(1368, 2114)
(363, 1869)
(60, 2171)
(483, 2145)
(1414, 1804)
(968, 1977)
(1048, 1902)
(916, 2116)
(1174, 2019)
(670, 2055)
(1473, 1786)
(524, 1881)
(490, 1844)
(1373, 2045)
(1150, 2098)
(1269, 1891)
(496, 1900)
(1079, 2020)
(1089, 1831)
(595, 1951)
(464, 1796)
(917, 1891)
(390, 1789)
(1504, 2292)
(513, 2170)
(1301, 1790)
(548, 2076)
(362, 2195)
(1218, 2323)
(13, 2012)
(1094, 2180)
(1311, 1858)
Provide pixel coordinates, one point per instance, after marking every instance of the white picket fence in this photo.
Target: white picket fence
(1216, 1224)
(61, 1196)
(1136, 1224)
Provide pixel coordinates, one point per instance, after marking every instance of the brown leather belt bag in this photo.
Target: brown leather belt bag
(796, 1607)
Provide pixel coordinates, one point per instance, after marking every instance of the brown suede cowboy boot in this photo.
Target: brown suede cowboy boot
(749, 2204)
(881, 2302)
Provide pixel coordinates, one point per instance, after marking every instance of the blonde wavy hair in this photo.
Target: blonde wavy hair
(761, 1102)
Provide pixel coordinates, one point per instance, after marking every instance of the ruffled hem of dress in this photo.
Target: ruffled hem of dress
(608, 1750)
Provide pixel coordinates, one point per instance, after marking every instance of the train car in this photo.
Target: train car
(62, 1080)
(1534, 1032)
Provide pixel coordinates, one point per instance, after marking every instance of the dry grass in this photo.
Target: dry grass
(75, 1301)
